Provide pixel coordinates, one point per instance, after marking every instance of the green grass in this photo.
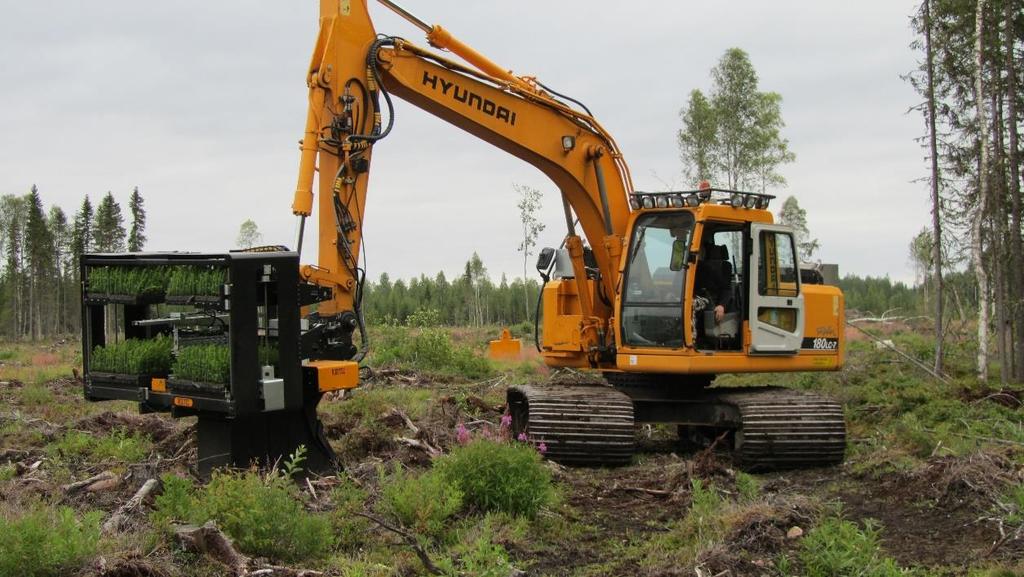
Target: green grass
(196, 281)
(116, 446)
(134, 357)
(840, 548)
(135, 280)
(47, 542)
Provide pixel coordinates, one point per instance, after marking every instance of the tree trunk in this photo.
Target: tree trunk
(1016, 257)
(936, 203)
(977, 226)
(1000, 240)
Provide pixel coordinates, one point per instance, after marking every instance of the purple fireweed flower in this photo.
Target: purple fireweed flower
(522, 437)
(462, 434)
(542, 448)
(506, 421)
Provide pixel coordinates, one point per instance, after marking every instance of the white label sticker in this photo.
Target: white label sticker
(632, 359)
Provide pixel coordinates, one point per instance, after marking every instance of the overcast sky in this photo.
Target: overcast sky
(200, 104)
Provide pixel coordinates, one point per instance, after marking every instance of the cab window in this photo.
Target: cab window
(652, 310)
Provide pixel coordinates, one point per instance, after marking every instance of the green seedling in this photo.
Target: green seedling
(134, 357)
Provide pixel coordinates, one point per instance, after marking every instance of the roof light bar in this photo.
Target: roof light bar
(692, 198)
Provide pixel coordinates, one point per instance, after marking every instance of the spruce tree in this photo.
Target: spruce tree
(793, 216)
(137, 236)
(82, 229)
(39, 250)
(12, 214)
(109, 229)
(63, 263)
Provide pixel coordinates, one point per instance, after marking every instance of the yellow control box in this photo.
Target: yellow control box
(332, 375)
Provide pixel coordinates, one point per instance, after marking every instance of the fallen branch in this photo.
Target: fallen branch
(275, 571)
(656, 492)
(117, 520)
(938, 376)
(409, 539)
(395, 411)
(421, 445)
(209, 540)
(977, 437)
(72, 488)
(1006, 537)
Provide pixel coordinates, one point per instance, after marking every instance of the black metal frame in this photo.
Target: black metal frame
(234, 427)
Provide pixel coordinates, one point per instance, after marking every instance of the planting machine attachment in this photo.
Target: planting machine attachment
(212, 336)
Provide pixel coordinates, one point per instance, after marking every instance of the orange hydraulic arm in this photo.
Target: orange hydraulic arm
(351, 78)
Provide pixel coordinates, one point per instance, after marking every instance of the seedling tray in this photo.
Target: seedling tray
(187, 387)
(120, 379)
(201, 300)
(145, 299)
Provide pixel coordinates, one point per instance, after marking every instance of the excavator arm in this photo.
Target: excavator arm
(353, 75)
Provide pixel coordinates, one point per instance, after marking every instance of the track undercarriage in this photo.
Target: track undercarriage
(593, 423)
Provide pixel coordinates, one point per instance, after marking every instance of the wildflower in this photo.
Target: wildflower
(522, 437)
(462, 434)
(543, 448)
(506, 421)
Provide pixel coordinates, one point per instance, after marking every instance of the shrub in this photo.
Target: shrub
(134, 357)
(196, 281)
(176, 502)
(47, 542)
(496, 476)
(262, 514)
(428, 349)
(836, 548)
(36, 395)
(422, 503)
(1012, 504)
(125, 280)
(424, 318)
(203, 363)
(483, 558)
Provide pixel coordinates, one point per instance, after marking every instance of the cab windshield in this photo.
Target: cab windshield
(652, 307)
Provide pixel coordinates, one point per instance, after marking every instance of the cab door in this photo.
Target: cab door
(776, 303)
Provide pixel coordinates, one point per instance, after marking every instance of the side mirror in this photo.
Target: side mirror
(544, 259)
(678, 261)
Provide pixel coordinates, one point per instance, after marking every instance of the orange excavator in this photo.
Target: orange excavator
(668, 290)
(652, 293)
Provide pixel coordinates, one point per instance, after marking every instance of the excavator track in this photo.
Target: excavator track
(589, 424)
(593, 424)
(786, 429)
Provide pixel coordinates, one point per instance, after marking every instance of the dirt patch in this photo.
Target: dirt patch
(939, 515)
(131, 566)
(157, 428)
(45, 360)
(1006, 396)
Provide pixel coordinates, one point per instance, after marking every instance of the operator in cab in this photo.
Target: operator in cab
(713, 284)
